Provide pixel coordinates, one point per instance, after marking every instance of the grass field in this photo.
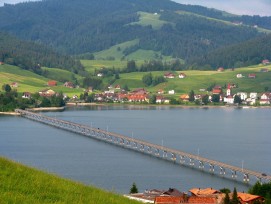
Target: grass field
(152, 19)
(61, 75)
(197, 80)
(115, 51)
(31, 82)
(21, 184)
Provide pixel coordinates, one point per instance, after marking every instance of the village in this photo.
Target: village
(195, 195)
(215, 95)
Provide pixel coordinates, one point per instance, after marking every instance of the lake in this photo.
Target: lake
(234, 136)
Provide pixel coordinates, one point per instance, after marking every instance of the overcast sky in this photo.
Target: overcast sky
(246, 7)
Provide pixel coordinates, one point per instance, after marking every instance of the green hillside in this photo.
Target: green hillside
(21, 184)
(197, 80)
(31, 82)
(78, 27)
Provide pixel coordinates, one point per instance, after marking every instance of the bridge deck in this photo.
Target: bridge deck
(140, 145)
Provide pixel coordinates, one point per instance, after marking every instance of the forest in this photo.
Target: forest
(77, 27)
(32, 56)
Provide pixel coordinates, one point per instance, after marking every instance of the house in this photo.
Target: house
(171, 92)
(253, 95)
(139, 91)
(159, 99)
(252, 76)
(100, 75)
(52, 83)
(242, 95)
(1, 63)
(245, 198)
(265, 62)
(117, 86)
(239, 76)
(220, 69)
(47, 93)
(182, 75)
(217, 90)
(206, 191)
(137, 97)
(14, 84)
(264, 70)
(160, 91)
(167, 200)
(207, 200)
(229, 99)
(89, 89)
(69, 84)
(26, 95)
(184, 97)
(169, 75)
(265, 98)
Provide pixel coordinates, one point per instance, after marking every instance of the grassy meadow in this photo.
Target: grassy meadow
(31, 82)
(195, 79)
(152, 19)
(21, 184)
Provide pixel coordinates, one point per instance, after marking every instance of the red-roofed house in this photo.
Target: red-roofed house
(246, 198)
(265, 62)
(167, 200)
(52, 83)
(169, 75)
(14, 84)
(220, 69)
(217, 91)
(117, 86)
(1, 63)
(195, 199)
(252, 76)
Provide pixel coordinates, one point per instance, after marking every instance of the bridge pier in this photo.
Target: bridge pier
(212, 168)
(182, 159)
(233, 174)
(246, 178)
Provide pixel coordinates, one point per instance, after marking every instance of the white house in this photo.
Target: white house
(26, 95)
(229, 99)
(239, 76)
(171, 92)
(242, 95)
(265, 98)
(253, 95)
(182, 75)
(100, 75)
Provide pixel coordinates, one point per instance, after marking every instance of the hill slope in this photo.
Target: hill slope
(81, 26)
(31, 56)
(20, 184)
(239, 55)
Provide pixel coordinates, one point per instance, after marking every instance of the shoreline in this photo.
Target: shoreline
(164, 105)
(10, 113)
(46, 109)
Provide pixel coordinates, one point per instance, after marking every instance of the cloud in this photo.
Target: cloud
(241, 7)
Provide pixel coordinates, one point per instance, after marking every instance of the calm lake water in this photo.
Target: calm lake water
(233, 136)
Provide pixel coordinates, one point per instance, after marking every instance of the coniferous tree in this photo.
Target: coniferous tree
(133, 189)
(234, 199)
